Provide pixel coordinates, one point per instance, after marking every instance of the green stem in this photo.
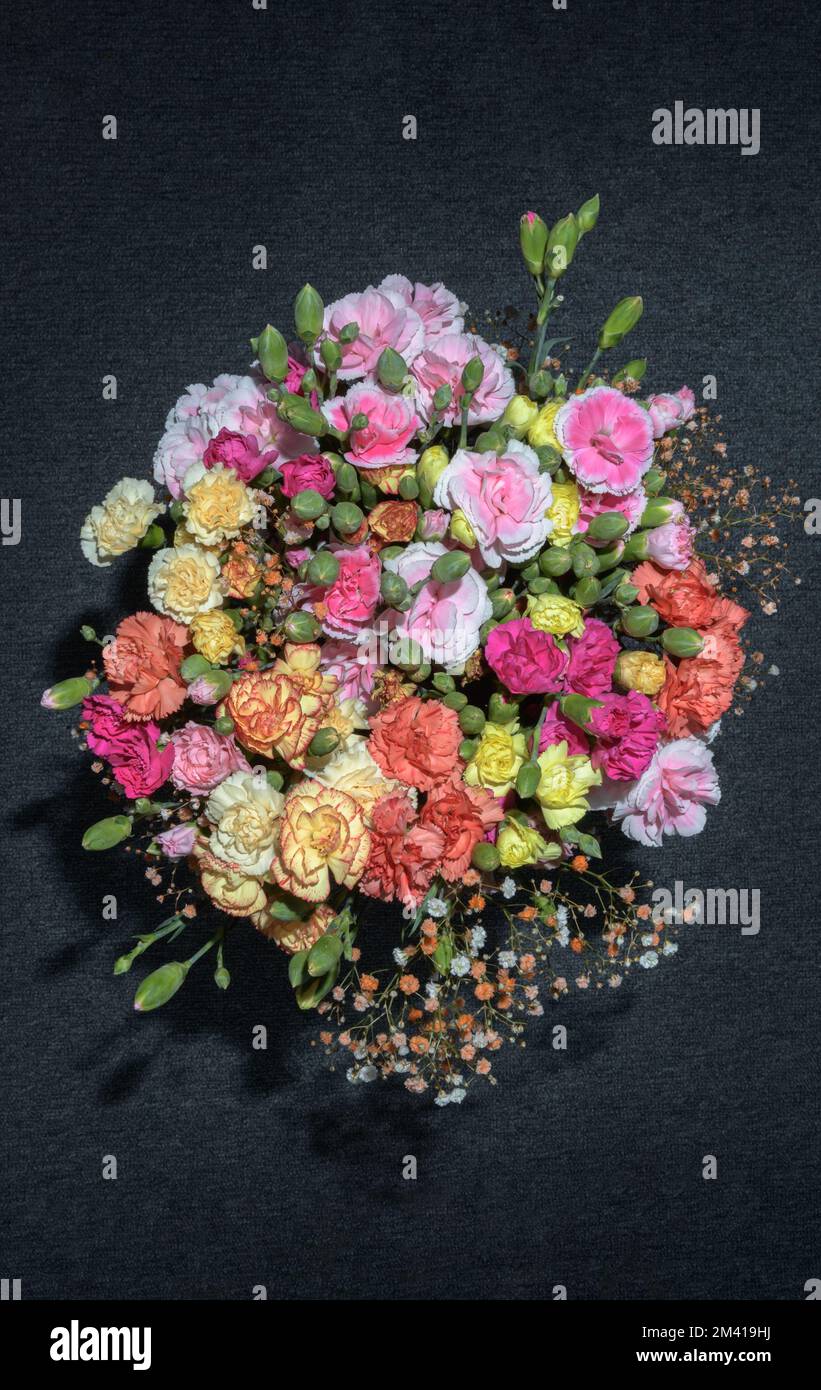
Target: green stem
(591, 364)
(463, 433)
(218, 935)
(544, 314)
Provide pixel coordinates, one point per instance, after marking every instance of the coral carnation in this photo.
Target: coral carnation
(416, 742)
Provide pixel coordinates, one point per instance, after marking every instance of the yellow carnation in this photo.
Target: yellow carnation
(184, 582)
(563, 784)
(217, 504)
(557, 614)
(322, 836)
(564, 513)
(231, 890)
(215, 637)
(540, 434)
(500, 753)
(520, 413)
(119, 523)
(520, 844)
(641, 671)
(243, 811)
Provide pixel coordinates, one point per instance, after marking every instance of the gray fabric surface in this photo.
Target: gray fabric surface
(237, 1167)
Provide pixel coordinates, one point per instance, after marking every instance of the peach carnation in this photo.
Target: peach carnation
(686, 598)
(416, 741)
(322, 835)
(142, 666)
(298, 933)
(404, 855)
(699, 690)
(463, 815)
(281, 709)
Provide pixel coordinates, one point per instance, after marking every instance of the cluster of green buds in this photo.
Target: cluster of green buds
(550, 252)
(313, 972)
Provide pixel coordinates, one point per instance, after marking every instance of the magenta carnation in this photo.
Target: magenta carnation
(556, 728)
(627, 730)
(527, 661)
(606, 439)
(238, 451)
(308, 471)
(592, 658)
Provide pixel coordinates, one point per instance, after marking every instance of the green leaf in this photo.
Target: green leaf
(104, 834)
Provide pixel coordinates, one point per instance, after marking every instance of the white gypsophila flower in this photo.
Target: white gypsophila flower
(432, 990)
(442, 1099)
(478, 937)
(563, 936)
(562, 915)
(480, 1039)
(436, 908)
(400, 958)
(457, 1095)
(508, 888)
(460, 965)
(401, 1067)
(649, 959)
(507, 959)
(669, 948)
(647, 939)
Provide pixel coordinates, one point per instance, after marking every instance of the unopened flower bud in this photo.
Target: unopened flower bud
(660, 510)
(104, 834)
(461, 529)
(433, 525)
(561, 245)
(347, 518)
(66, 693)
(301, 627)
(331, 354)
(533, 241)
(619, 322)
(349, 333)
(272, 351)
(555, 561)
(323, 742)
(528, 779)
(323, 568)
(485, 857)
(588, 215)
(682, 641)
(160, 986)
(442, 397)
(473, 373)
(391, 369)
(471, 720)
(393, 588)
(432, 463)
(520, 413)
(450, 567)
(639, 621)
(608, 526)
(308, 314)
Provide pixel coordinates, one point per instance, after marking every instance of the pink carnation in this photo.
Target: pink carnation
(558, 729)
(308, 471)
(504, 497)
(442, 364)
(392, 422)
(351, 600)
(671, 545)
(439, 310)
(445, 618)
(669, 411)
(527, 661)
(670, 796)
(138, 763)
(238, 451)
(627, 730)
(384, 320)
(592, 658)
(203, 758)
(353, 663)
(606, 439)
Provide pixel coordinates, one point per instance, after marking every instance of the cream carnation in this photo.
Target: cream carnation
(184, 581)
(120, 521)
(243, 811)
(217, 503)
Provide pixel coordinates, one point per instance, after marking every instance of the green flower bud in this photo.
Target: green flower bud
(406, 654)
(584, 559)
(555, 561)
(153, 539)
(272, 351)
(586, 592)
(561, 245)
(455, 700)
(610, 557)
(391, 369)
(331, 354)
(443, 682)
(301, 627)
(608, 526)
(347, 479)
(393, 588)
(323, 742)
(502, 711)
(450, 567)
(368, 494)
(66, 694)
(313, 991)
(160, 986)
(323, 568)
(467, 748)
(588, 215)
(104, 834)
(408, 487)
(308, 504)
(222, 978)
(300, 414)
(619, 322)
(541, 384)
(298, 969)
(442, 397)
(502, 602)
(640, 621)
(309, 314)
(324, 954)
(659, 512)
(528, 780)
(88, 633)
(421, 673)
(653, 481)
(626, 594)
(578, 708)
(533, 241)
(275, 780)
(520, 413)
(633, 370)
(473, 374)
(432, 463)
(359, 421)
(471, 720)
(541, 586)
(682, 641)
(490, 441)
(224, 724)
(347, 518)
(194, 666)
(349, 333)
(529, 572)
(635, 548)
(485, 857)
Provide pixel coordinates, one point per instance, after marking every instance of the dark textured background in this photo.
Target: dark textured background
(284, 127)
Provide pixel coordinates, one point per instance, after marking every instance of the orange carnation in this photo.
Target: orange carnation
(416, 741)
(322, 833)
(686, 598)
(142, 665)
(394, 522)
(463, 815)
(699, 690)
(280, 709)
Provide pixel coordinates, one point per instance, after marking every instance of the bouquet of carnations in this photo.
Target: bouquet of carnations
(418, 613)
